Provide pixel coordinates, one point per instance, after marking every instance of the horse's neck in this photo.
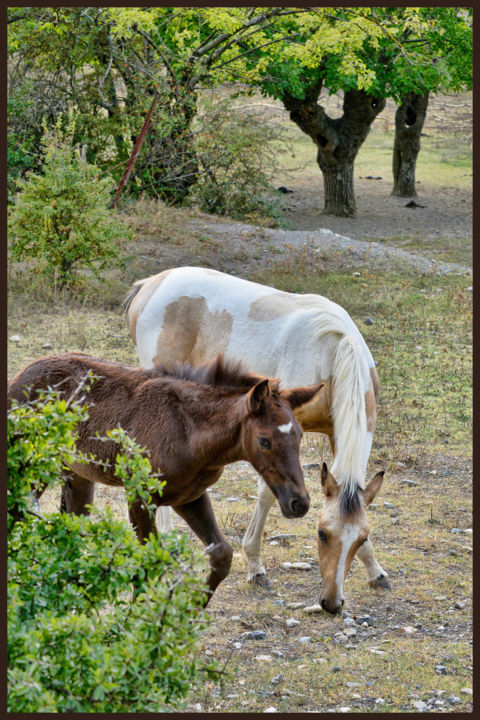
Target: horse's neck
(217, 437)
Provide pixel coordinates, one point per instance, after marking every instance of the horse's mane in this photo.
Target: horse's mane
(219, 372)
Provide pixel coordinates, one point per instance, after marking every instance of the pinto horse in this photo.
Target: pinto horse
(193, 422)
(191, 313)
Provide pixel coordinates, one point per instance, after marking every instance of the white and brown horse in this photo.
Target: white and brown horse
(191, 313)
(193, 422)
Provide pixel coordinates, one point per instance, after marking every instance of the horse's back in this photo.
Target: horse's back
(194, 313)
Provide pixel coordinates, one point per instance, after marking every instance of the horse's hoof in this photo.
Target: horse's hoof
(380, 583)
(260, 580)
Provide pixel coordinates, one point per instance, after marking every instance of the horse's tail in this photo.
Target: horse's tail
(137, 286)
(349, 420)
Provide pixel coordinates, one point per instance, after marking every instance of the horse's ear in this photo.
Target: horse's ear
(373, 487)
(255, 397)
(301, 395)
(329, 484)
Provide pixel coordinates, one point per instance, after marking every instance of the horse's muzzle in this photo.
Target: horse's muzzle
(296, 507)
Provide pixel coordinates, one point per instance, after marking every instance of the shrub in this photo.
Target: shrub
(61, 218)
(79, 638)
(238, 153)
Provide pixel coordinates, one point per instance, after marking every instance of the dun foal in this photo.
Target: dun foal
(193, 422)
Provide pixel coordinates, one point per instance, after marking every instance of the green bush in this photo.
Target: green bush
(96, 621)
(238, 153)
(61, 218)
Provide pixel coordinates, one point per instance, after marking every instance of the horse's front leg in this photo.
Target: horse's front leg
(142, 519)
(252, 541)
(77, 493)
(199, 516)
(377, 577)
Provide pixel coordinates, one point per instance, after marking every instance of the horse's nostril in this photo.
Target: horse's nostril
(299, 506)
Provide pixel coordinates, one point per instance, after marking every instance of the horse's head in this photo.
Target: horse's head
(271, 442)
(341, 531)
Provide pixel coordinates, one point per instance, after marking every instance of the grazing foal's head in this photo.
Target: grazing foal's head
(271, 441)
(341, 531)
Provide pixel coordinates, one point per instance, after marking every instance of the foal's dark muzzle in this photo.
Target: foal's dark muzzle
(299, 506)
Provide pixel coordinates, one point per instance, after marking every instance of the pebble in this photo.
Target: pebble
(353, 684)
(407, 481)
(454, 700)
(455, 531)
(270, 709)
(305, 639)
(356, 274)
(232, 499)
(364, 619)
(377, 652)
(349, 632)
(263, 658)
(388, 505)
(282, 538)
(255, 635)
(459, 605)
(197, 707)
(237, 645)
(313, 609)
(292, 622)
(420, 705)
(394, 520)
(379, 701)
(15, 338)
(294, 605)
(409, 630)
(311, 466)
(235, 617)
(336, 668)
(440, 669)
(273, 542)
(467, 691)
(368, 321)
(349, 621)
(47, 346)
(297, 565)
(345, 709)
(277, 679)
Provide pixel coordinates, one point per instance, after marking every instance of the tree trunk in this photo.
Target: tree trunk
(409, 120)
(338, 141)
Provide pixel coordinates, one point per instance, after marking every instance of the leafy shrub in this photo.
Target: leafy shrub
(61, 217)
(79, 638)
(238, 153)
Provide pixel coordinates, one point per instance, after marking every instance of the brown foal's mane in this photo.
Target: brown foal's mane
(219, 372)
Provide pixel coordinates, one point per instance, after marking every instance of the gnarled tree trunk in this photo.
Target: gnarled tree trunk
(409, 120)
(338, 140)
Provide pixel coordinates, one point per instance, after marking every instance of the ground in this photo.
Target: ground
(409, 292)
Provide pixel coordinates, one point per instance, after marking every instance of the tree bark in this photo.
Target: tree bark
(409, 120)
(338, 140)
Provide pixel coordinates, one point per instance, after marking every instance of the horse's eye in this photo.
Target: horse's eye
(322, 536)
(264, 443)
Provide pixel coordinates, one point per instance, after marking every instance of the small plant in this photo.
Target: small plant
(238, 156)
(79, 638)
(61, 218)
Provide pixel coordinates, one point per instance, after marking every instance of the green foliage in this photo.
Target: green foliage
(61, 218)
(79, 639)
(238, 157)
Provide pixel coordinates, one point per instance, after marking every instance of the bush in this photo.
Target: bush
(238, 154)
(79, 638)
(61, 218)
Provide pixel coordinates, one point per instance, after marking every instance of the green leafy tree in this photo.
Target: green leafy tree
(79, 638)
(61, 217)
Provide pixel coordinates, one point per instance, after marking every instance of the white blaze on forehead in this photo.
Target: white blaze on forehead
(349, 534)
(285, 428)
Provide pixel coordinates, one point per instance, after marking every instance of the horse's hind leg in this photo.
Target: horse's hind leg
(77, 493)
(199, 516)
(252, 541)
(142, 520)
(377, 577)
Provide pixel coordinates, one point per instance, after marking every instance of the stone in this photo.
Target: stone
(466, 691)
(459, 605)
(336, 668)
(235, 618)
(311, 609)
(454, 700)
(270, 709)
(292, 622)
(294, 605)
(353, 684)
(47, 346)
(407, 481)
(409, 630)
(420, 705)
(305, 639)
(349, 632)
(15, 338)
(232, 499)
(237, 645)
(276, 679)
(440, 669)
(311, 466)
(263, 658)
(349, 621)
(197, 707)
(388, 505)
(297, 565)
(368, 321)
(282, 538)
(255, 635)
